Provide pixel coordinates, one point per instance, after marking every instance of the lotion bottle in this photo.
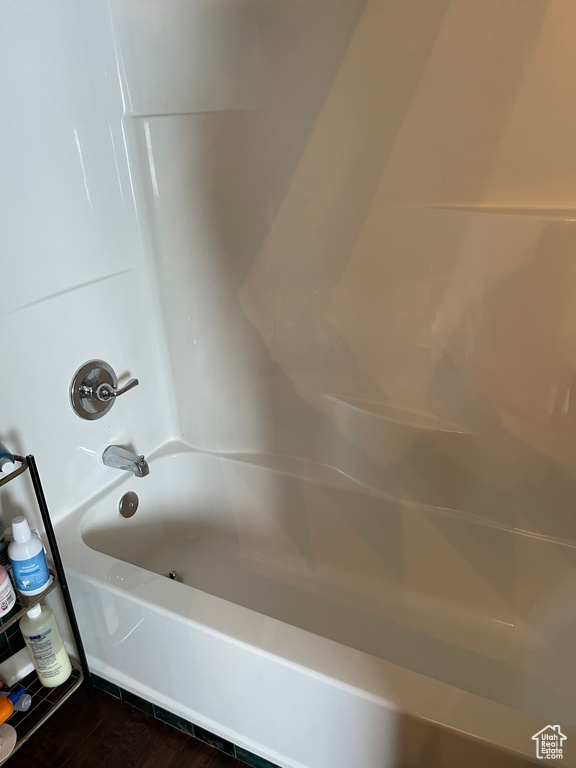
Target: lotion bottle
(45, 646)
(27, 558)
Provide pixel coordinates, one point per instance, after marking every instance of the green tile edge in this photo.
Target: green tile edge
(137, 701)
(105, 685)
(176, 722)
(253, 760)
(171, 719)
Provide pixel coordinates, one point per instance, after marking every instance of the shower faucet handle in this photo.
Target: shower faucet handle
(94, 389)
(105, 391)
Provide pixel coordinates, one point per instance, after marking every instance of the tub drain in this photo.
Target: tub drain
(174, 576)
(128, 504)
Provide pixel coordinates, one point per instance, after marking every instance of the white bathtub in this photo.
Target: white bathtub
(303, 631)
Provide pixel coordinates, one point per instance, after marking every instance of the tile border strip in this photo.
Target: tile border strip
(191, 729)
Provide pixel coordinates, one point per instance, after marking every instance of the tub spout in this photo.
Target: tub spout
(120, 458)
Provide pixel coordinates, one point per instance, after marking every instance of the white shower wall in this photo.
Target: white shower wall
(220, 159)
(361, 220)
(363, 225)
(73, 282)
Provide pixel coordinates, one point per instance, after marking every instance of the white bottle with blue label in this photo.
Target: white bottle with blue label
(27, 558)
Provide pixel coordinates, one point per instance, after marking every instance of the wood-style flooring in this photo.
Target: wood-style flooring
(109, 733)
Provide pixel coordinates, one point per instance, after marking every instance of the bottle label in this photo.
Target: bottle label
(7, 597)
(32, 573)
(48, 652)
(42, 648)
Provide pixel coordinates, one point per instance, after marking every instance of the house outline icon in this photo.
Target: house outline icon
(555, 739)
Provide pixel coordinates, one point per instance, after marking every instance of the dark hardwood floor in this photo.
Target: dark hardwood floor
(109, 733)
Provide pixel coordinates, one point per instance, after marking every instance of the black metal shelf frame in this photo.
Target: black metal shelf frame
(81, 672)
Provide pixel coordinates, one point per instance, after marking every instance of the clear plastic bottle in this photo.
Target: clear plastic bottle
(45, 645)
(27, 558)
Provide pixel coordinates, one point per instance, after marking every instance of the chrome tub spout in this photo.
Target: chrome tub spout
(120, 458)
